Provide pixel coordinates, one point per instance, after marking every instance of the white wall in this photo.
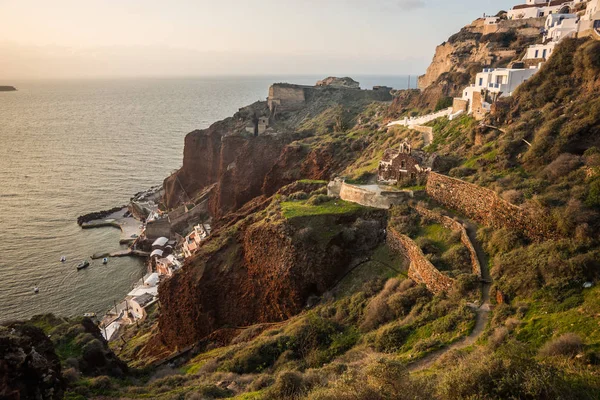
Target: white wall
(537, 51)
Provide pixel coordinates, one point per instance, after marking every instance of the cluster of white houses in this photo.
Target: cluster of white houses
(562, 21)
(166, 258)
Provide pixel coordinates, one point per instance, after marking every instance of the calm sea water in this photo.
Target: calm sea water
(71, 147)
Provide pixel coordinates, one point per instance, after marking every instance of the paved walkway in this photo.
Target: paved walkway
(482, 312)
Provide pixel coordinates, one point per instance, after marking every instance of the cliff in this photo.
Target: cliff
(265, 267)
(252, 154)
(457, 60)
(29, 366)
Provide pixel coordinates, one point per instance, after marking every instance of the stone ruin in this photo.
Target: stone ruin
(404, 164)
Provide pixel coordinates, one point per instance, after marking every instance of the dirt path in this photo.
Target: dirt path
(482, 312)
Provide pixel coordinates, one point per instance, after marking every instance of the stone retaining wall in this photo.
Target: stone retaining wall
(454, 225)
(366, 196)
(486, 207)
(421, 270)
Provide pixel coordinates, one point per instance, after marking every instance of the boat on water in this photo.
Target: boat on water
(90, 314)
(105, 260)
(83, 264)
(36, 290)
(63, 259)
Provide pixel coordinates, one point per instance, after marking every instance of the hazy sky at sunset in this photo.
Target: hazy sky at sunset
(89, 38)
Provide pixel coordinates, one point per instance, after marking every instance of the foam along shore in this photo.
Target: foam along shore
(130, 229)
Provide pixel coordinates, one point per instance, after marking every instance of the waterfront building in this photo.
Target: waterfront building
(192, 241)
(167, 265)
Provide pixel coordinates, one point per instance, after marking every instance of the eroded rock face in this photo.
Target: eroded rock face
(29, 367)
(478, 45)
(264, 272)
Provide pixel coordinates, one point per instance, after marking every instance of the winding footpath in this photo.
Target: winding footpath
(482, 312)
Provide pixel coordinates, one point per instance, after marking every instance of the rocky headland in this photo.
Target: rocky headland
(7, 88)
(482, 283)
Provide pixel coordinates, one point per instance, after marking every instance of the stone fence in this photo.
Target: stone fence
(486, 207)
(456, 226)
(421, 270)
(368, 195)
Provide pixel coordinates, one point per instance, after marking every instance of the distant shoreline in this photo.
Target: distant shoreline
(7, 88)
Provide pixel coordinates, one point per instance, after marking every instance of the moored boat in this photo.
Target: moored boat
(105, 260)
(83, 264)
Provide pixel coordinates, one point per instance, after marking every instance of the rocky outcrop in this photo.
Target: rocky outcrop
(262, 271)
(333, 81)
(7, 88)
(29, 367)
(478, 45)
(464, 54)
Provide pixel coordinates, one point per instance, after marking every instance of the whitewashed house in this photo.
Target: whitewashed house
(497, 82)
(591, 19)
(556, 28)
(539, 8)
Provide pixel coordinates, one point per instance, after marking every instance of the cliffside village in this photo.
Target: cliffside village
(563, 19)
(168, 252)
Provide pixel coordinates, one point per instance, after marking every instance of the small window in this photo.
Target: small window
(403, 164)
(537, 52)
(544, 54)
(480, 81)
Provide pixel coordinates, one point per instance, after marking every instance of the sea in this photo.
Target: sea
(70, 147)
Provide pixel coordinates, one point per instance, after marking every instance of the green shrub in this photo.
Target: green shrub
(568, 345)
(256, 358)
(390, 339)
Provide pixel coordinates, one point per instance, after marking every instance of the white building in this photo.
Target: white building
(542, 51)
(560, 26)
(591, 18)
(557, 27)
(498, 82)
(539, 8)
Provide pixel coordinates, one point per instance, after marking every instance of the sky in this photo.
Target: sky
(121, 38)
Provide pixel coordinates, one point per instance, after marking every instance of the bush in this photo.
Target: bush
(443, 103)
(256, 358)
(318, 199)
(506, 374)
(568, 345)
(377, 311)
(298, 196)
(288, 385)
(391, 339)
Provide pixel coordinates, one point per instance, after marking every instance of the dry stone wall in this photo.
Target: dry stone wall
(454, 225)
(486, 207)
(421, 270)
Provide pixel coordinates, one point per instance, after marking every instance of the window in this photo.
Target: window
(480, 81)
(544, 54)
(537, 52)
(402, 164)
